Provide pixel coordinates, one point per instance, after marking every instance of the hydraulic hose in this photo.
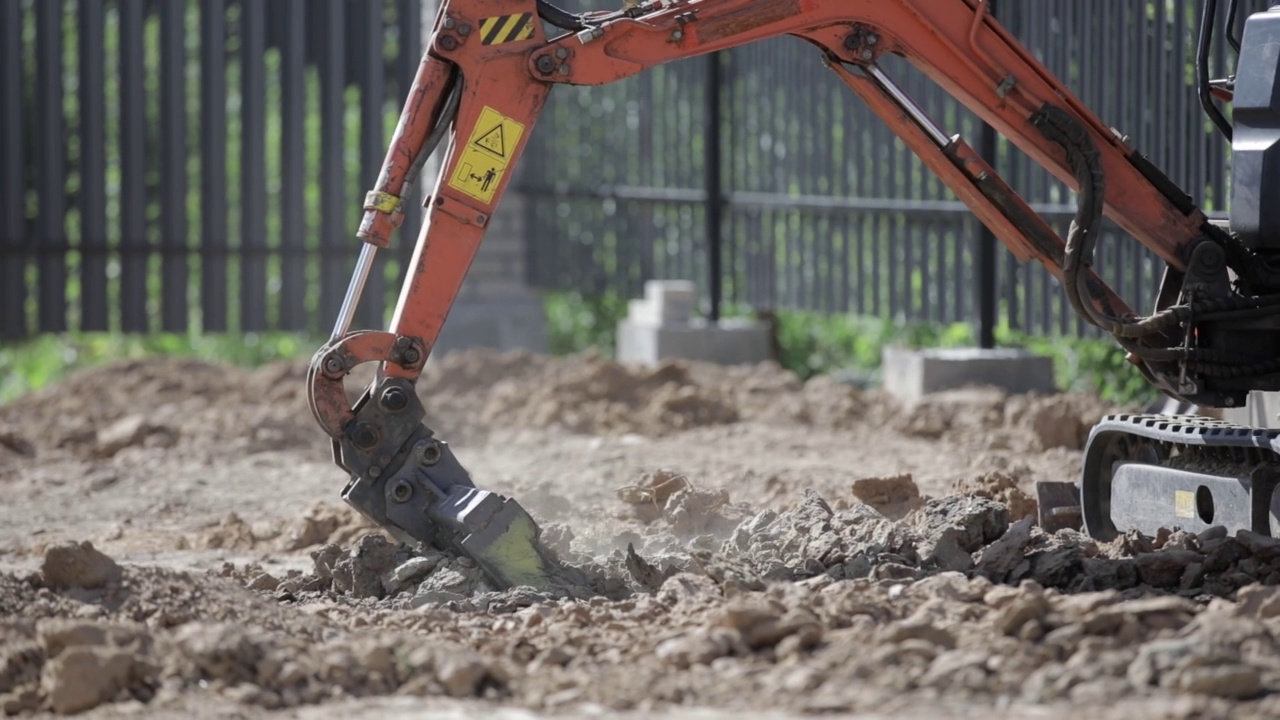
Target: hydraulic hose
(1060, 128)
(562, 19)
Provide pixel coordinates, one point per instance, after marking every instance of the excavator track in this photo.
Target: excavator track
(1148, 472)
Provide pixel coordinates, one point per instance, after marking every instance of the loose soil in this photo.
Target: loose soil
(757, 546)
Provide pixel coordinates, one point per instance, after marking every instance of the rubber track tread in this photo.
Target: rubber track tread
(1191, 430)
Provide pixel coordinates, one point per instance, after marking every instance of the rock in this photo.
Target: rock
(1003, 488)
(687, 588)
(23, 700)
(918, 630)
(649, 577)
(1058, 566)
(653, 489)
(1224, 554)
(1260, 547)
(264, 581)
(461, 676)
(1217, 532)
(1259, 601)
(947, 552)
(360, 573)
(325, 559)
(223, 651)
(84, 677)
(15, 443)
(1157, 660)
(957, 668)
(950, 586)
(1192, 576)
(69, 565)
(1001, 557)
(450, 580)
(410, 572)
(760, 626)
(123, 433)
(435, 597)
(892, 495)
(700, 647)
(692, 511)
(59, 634)
(1164, 568)
(1106, 573)
(978, 521)
(1010, 619)
(1234, 682)
(231, 533)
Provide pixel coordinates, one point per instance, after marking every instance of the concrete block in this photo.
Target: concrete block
(497, 324)
(911, 374)
(731, 342)
(670, 301)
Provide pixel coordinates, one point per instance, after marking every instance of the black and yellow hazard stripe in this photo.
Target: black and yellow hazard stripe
(506, 28)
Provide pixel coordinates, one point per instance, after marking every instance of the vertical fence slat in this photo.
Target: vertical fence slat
(293, 228)
(410, 16)
(253, 168)
(213, 166)
(50, 169)
(133, 171)
(372, 150)
(13, 252)
(93, 190)
(173, 167)
(333, 199)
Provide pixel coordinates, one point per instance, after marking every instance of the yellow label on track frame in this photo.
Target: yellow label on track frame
(486, 155)
(1184, 504)
(506, 28)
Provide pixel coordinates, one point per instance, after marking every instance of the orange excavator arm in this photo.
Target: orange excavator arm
(484, 80)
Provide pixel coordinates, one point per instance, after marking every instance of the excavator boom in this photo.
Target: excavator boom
(1210, 338)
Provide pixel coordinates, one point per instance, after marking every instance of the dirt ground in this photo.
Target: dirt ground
(172, 544)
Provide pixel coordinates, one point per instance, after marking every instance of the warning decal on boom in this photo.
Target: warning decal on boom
(506, 28)
(486, 155)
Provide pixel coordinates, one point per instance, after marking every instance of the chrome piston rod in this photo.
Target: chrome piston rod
(361, 275)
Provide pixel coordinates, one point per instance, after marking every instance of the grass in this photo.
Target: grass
(45, 359)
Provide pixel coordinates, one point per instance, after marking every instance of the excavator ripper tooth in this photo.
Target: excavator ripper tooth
(408, 481)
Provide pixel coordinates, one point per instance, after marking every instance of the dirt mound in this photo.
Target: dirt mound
(133, 407)
(605, 398)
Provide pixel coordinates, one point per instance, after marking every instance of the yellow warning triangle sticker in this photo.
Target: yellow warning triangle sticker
(493, 141)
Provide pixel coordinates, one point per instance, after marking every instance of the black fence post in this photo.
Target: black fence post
(715, 188)
(13, 230)
(985, 272)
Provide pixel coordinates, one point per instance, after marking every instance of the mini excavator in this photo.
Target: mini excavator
(1211, 337)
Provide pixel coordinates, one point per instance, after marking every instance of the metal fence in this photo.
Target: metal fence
(818, 206)
(167, 164)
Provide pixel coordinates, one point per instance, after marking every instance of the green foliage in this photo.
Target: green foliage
(40, 361)
(1085, 365)
(815, 344)
(577, 322)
